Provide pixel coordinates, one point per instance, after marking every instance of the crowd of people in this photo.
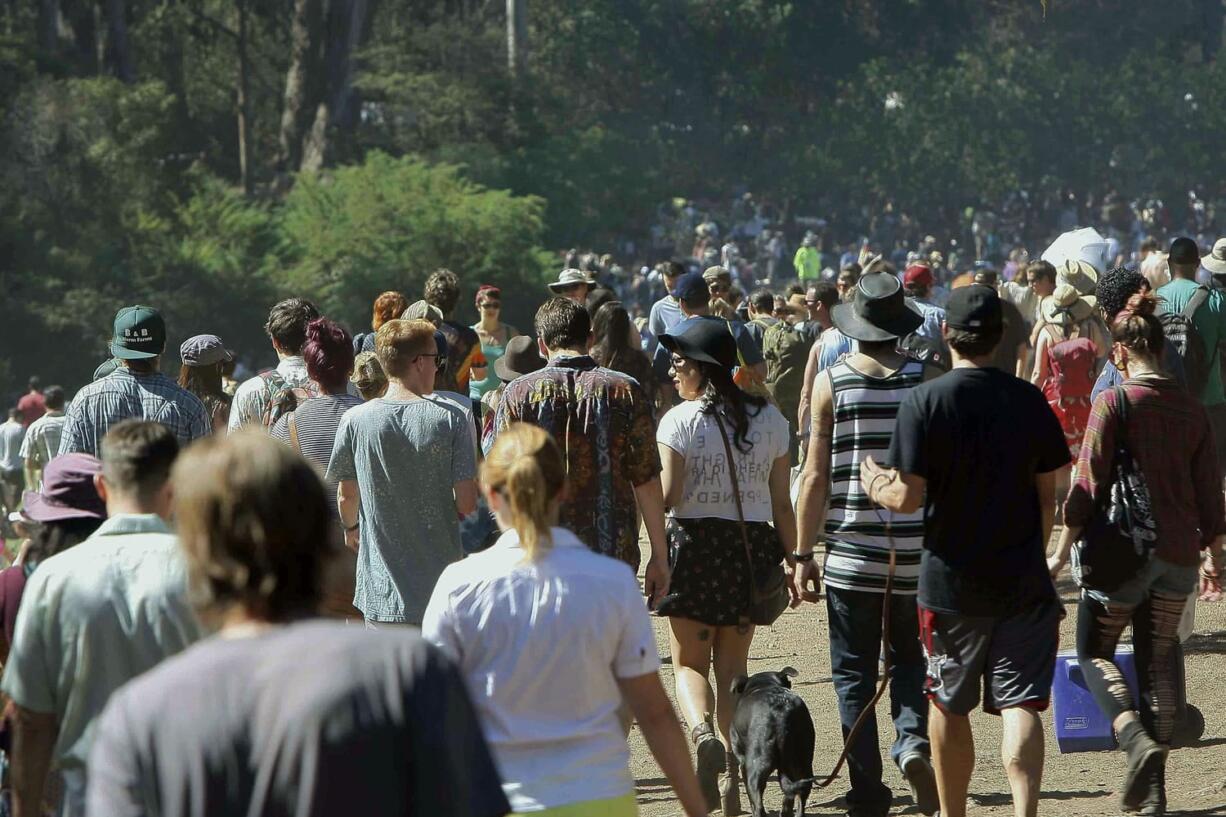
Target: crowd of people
(474, 498)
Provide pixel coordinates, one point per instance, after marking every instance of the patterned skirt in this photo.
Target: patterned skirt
(709, 581)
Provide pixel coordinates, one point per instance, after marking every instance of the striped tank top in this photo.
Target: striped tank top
(857, 549)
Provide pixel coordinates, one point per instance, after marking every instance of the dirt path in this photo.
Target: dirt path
(1074, 784)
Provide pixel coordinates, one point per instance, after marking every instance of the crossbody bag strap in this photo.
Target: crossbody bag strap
(740, 512)
(293, 433)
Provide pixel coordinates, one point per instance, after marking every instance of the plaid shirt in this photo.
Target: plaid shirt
(1169, 437)
(123, 395)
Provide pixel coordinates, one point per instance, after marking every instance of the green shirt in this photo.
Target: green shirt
(808, 263)
(1210, 323)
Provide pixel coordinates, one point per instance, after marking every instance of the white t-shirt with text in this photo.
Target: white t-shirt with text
(708, 488)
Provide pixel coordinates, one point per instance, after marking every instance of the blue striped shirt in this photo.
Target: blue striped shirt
(123, 395)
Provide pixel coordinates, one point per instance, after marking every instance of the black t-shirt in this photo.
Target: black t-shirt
(979, 437)
(1016, 333)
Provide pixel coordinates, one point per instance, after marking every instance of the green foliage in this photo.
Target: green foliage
(388, 223)
(112, 193)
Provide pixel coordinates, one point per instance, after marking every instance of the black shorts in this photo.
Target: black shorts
(1014, 656)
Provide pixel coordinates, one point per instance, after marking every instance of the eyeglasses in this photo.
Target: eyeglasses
(718, 289)
(440, 362)
(491, 305)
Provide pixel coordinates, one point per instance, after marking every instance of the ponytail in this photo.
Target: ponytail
(1137, 328)
(526, 469)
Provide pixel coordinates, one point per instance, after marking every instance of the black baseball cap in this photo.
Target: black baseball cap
(974, 308)
(1184, 251)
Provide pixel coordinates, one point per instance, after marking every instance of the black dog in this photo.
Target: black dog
(772, 731)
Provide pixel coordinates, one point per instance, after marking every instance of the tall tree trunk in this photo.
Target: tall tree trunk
(302, 94)
(49, 26)
(243, 88)
(119, 52)
(347, 27)
(517, 36)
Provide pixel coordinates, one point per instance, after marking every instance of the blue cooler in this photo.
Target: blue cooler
(1080, 726)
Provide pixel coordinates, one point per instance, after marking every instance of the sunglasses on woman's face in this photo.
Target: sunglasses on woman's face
(491, 305)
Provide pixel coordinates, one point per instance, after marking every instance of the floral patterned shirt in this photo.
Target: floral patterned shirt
(602, 420)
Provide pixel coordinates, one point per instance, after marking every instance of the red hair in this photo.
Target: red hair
(388, 306)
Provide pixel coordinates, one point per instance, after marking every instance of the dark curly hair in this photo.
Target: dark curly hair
(328, 353)
(1115, 287)
(443, 290)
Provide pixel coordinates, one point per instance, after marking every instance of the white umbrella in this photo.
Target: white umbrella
(1084, 244)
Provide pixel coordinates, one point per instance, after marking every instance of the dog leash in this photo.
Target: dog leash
(888, 666)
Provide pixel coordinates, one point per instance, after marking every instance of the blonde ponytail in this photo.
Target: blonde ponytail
(526, 468)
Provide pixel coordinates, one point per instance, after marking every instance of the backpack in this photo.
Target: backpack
(785, 348)
(1181, 333)
(281, 398)
(1071, 371)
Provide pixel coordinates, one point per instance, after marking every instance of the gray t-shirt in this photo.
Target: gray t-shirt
(311, 719)
(406, 456)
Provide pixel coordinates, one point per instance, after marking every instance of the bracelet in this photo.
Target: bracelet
(804, 557)
(351, 529)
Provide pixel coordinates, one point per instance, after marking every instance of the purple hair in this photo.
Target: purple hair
(328, 353)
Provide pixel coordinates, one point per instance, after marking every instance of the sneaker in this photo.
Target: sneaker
(1146, 759)
(917, 770)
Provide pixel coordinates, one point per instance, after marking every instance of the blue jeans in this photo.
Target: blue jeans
(855, 647)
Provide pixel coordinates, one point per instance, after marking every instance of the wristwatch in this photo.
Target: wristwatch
(804, 557)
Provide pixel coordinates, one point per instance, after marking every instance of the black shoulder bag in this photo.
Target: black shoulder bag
(1119, 541)
(768, 594)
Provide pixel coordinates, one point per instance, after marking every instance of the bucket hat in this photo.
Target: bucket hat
(568, 278)
(1215, 261)
(68, 491)
(1065, 304)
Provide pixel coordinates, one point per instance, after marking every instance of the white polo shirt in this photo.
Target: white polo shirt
(541, 646)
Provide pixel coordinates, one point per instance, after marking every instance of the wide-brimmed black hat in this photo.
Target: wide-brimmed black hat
(705, 339)
(879, 311)
(518, 359)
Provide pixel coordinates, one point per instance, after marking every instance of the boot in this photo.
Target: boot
(1145, 759)
(709, 757)
(1154, 804)
(730, 787)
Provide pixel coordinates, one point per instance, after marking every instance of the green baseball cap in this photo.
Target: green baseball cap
(140, 333)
